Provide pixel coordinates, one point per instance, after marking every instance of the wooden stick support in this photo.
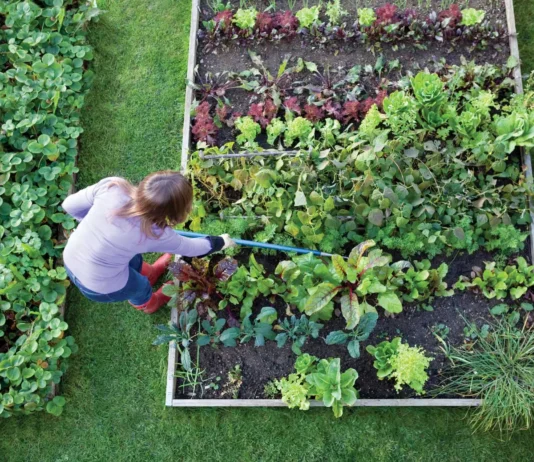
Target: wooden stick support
(189, 92)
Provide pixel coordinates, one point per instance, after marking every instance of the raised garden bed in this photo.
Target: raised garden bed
(431, 322)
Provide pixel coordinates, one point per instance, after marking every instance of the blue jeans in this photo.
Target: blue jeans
(137, 289)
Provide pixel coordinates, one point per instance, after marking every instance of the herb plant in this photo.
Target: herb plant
(182, 334)
(499, 370)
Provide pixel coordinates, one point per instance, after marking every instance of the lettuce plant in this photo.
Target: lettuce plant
(286, 22)
(321, 380)
(308, 16)
(410, 367)
(333, 387)
(245, 19)
(335, 12)
(406, 364)
(366, 17)
(204, 128)
(470, 16)
(383, 353)
(298, 129)
(513, 280)
(248, 131)
(275, 129)
(294, 391)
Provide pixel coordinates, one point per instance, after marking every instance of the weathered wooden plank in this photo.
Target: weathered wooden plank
(189, 94)
(359, 403)
(525, 155)
(171, 366)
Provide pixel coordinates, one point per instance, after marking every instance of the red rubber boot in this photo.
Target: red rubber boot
(153, 272)
(157, 300)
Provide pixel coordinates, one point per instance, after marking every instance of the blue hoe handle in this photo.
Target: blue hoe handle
(262, 245)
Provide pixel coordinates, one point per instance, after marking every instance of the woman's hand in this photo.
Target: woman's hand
(228, 242)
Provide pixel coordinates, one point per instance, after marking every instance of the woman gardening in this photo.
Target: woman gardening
(118, 223)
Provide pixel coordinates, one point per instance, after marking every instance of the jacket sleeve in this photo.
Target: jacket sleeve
(77, 205)
(170, 241)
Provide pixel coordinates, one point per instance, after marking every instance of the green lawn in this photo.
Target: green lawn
(116, 384)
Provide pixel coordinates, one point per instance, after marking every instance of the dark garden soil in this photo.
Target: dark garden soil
(262, 364)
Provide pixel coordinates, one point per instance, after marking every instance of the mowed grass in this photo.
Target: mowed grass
(115, 386)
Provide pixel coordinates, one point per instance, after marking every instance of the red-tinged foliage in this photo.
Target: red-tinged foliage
(379, 99)
(365, 105)
(408, 16)
(263, 112)
(351, 111)
(265, 22)
(270, 109)
(313, 113)
(292, 104)
(286, 22)
(201, 282)
(224, 18)
(453, 13)
(386, 14)
(204, 128)
(222, 112)
(333, 109)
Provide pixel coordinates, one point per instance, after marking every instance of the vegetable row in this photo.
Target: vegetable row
(385, 24)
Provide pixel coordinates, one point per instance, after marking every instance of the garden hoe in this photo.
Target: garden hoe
(262, 245)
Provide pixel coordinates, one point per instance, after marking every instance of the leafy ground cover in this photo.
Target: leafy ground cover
(115, 386)
(43, 82)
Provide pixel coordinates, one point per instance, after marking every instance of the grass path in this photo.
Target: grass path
(115, 385)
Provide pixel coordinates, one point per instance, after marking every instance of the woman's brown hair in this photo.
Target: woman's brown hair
(162, 199)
